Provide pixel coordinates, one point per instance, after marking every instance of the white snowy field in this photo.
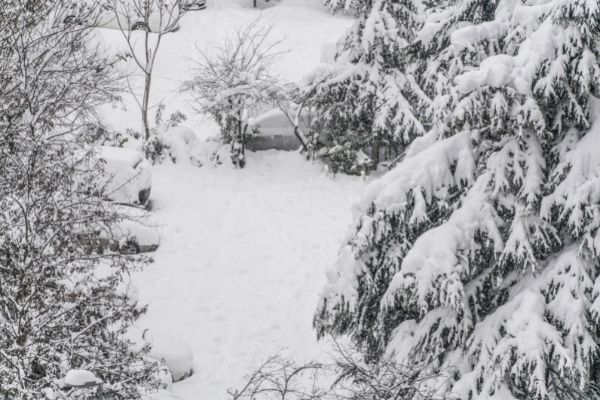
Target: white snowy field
(242, 261)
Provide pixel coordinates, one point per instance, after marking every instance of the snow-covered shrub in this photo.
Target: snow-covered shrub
(154, 149)
(171, 141)
(479, 253)
(372, 99)
(347, 160)
(61, 306)
(181, 145)
(347, 377)
(233, 81)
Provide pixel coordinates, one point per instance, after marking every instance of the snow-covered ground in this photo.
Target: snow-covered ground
(242, 261)
(243, 252)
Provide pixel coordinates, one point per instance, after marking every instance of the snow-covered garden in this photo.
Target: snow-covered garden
(299, 200)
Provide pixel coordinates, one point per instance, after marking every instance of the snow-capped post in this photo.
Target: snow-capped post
(232, 80)
(370, 99)
(154, 18)
(62, 305)
(479, 252)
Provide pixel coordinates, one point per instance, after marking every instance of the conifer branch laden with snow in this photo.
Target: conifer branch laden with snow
(370, 100)
(479, 251)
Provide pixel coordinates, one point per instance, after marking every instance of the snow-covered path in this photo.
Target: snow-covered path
(242, 260)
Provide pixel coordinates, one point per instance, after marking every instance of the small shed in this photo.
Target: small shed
(273, 130)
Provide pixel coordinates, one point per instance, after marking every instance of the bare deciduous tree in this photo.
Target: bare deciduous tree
(280, 378)
(348, 377)
(233, 79)
(155, 18)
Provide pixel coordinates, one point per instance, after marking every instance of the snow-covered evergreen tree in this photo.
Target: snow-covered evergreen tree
(62, 304)
(478, 254)
(370, 98)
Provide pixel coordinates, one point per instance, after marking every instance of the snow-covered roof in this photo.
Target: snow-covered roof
(118, 155)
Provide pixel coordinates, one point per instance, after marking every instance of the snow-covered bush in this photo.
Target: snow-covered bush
(233, 81)
(372, 99)
(478, 253)
(61, 307)
(347, 377)
(347, 160)
(154, 149)
(178, 144)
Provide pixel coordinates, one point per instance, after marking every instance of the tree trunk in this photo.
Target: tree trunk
(375, 153)
(241, 139)
(145, 105)
(147, 71)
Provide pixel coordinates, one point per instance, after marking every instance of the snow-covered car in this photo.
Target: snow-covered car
(192, 5)
(274, 130)
(125, 15)
(127, 175)
(171, 350)
(131, 233)
(265, 3)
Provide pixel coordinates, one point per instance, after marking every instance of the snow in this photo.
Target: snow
(242, 260)
(81, 377)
